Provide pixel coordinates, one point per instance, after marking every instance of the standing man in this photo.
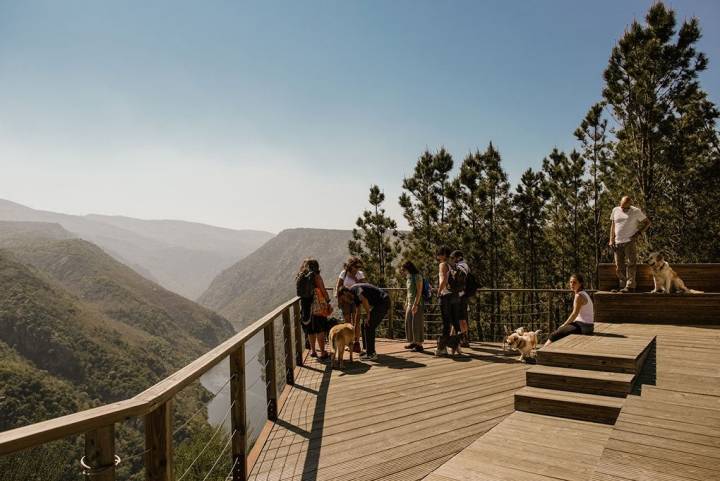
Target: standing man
(376, 304)
(627, 222)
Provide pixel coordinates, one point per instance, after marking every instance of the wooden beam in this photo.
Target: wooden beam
(158, 443)
(299, 345)
(288, 345)
(238, 419)
(270, 370)
(100, 453)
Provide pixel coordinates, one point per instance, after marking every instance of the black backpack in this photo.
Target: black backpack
(305, 285)
(471, 285)
(458, 280)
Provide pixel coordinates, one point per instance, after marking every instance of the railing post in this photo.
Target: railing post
(270, 370)
(288, 345)
(158, 443)
(391, 316)
(238, 418)
(298, 335)
(100, 454)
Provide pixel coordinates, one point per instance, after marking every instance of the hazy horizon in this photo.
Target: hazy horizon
(243, 114)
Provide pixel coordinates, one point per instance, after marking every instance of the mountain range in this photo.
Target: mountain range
(262, 280)
(183, 257)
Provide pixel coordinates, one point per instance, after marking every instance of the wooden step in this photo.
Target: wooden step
(572, 405)
(580, 380)
(598, 353)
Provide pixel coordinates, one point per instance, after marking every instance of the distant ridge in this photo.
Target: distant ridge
(183, 257)
(265, 278)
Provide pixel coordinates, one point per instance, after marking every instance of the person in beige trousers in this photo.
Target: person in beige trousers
(627, 222)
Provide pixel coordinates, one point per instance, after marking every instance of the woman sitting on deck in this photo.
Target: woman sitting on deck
(580, 320)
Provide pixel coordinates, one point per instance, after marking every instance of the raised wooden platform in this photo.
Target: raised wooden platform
(688, 309)
(584, 377)
(395, 419)
(597, 352)
(702, 277)
(643, 307)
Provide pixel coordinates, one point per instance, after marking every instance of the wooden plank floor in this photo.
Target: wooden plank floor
(529, 447)
(395, 419)
(672, 430)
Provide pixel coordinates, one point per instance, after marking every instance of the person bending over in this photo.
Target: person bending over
(375, 303)
(580, 320)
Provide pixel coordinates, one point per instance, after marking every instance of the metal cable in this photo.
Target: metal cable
(220, 426)
(212, 396)
(222, 453)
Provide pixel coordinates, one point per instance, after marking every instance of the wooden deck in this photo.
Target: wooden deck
(395, 419)
(529, 447)
(413, 416)
(671, 431)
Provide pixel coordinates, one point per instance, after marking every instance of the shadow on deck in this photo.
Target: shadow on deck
(400, 417)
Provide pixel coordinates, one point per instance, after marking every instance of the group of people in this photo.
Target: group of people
(365, 305)
(455, 286)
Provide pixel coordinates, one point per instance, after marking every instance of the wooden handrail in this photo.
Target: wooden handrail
(144, 403)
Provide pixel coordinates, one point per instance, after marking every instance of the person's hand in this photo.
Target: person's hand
(611, 243)
(414, 309)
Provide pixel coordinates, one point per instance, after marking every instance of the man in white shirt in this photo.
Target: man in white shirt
(627, 222)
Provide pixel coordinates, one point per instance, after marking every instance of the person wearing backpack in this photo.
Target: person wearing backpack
(310, 288)
(414, 307)
(448, 293)
(461, 269)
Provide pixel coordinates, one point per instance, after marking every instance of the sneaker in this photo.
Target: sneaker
(418, 348)
(441, 352)
(369, 357)
(409, 346)
(313, 354)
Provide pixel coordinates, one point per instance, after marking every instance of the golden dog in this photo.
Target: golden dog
(665, 278)
(526, 342)
(341, 335)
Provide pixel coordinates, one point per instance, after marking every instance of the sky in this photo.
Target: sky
(271, 115)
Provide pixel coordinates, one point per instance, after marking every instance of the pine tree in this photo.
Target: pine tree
(597, 150)
(375, 240)
(425, 205)
(666, 131)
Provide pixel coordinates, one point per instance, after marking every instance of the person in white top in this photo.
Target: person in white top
(627, 222)
(350, 275)
(580, 320)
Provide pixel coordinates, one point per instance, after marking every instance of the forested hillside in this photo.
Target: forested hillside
(265, 278)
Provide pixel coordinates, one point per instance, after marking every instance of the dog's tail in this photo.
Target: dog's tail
(331, 341)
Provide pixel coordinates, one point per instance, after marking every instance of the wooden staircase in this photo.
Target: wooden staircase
(584, 377)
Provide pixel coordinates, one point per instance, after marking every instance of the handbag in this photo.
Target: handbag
(320, 306)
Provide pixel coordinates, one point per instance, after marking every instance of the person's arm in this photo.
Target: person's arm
(338, 285)
(366, 305)
(642, 227)
(443, 277)
(321, 285)
(612, 232)
(577, 304)
(418, 294)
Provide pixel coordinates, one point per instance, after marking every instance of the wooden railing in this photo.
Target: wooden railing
(154, 406)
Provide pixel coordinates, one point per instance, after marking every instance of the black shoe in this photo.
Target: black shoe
(313, 354)
(418, 348)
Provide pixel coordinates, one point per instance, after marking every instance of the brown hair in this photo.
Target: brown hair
(309, 265)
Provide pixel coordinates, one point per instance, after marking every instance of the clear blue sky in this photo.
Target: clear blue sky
(222, 112)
